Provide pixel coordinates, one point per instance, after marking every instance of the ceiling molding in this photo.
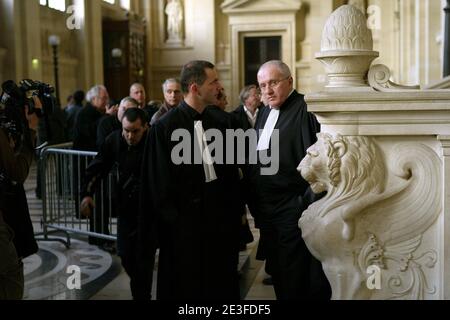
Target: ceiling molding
(257, 6)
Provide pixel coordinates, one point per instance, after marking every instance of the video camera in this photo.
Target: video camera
(13, 100)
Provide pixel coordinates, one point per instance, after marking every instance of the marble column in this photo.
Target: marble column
(89, 41)
(2, 57)
(447, 40)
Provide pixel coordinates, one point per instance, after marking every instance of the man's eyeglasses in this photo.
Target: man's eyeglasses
(271, 84)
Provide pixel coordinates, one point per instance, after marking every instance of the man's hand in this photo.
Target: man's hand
(112, 110)
(86, 207)
(12, 143)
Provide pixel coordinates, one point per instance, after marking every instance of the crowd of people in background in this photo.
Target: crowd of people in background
(197, 214)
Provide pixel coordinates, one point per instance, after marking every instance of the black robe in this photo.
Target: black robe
(197, 222)
(107, 124)
(127, 160)
(297, 132)
(282, 197)
(241, 117)
(85, 129)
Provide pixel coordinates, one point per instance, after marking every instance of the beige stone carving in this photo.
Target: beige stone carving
(379, 78)
(359, 4)
(175, 17)
(361, 220)
(347, 48)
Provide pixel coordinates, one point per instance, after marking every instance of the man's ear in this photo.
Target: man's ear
(193, 87)
(291, 81)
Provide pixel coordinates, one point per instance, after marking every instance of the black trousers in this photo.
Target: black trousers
(138, 267)
(99, 220)
(296, 274)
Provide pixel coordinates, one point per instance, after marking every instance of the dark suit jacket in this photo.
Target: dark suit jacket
(85, 129)
(241, 117)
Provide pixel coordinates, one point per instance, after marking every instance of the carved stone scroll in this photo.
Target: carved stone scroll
(377, 207)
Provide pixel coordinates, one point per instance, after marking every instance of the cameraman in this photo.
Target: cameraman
(16, 231)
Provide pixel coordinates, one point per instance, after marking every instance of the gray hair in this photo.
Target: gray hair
(130, 100)
(170, 80)
(245, 92)
(94, 92)
(280, 65)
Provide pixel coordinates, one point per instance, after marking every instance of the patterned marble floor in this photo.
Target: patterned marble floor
(48, 272)
(51, 273)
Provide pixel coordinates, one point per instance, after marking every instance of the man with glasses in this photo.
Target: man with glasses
(283, 196)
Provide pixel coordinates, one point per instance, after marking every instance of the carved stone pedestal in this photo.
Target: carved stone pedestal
(383, 229)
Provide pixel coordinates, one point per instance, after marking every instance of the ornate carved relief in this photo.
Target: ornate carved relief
(360, 4)
(407, 279)
(175, 19)
(249, 6)
(376, 209)
(379, 79)
(344, 31)
(347, 48)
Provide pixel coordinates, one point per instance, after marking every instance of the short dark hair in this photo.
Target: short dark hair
(134, 114)
(78, 97)
(194, 72)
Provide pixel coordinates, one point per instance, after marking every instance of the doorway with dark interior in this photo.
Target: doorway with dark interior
(257, 51)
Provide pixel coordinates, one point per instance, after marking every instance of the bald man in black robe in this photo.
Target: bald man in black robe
(283, 195)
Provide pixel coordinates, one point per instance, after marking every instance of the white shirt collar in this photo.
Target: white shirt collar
(249, 112)
(251, 117)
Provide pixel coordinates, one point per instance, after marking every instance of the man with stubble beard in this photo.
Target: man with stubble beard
(197, 223)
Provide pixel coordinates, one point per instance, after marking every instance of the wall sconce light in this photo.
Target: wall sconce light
(35, 64)
(116, 53)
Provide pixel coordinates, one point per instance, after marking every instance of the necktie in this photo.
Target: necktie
(264, 140)
(208, 167)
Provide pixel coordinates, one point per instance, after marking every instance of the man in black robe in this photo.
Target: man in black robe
(197, 223)
(284, 195)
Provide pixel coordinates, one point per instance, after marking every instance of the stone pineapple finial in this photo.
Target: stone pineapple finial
(347, 48)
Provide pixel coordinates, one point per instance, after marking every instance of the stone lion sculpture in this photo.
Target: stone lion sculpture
(361, 220)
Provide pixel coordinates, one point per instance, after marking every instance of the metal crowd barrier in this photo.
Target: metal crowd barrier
(62, 172)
